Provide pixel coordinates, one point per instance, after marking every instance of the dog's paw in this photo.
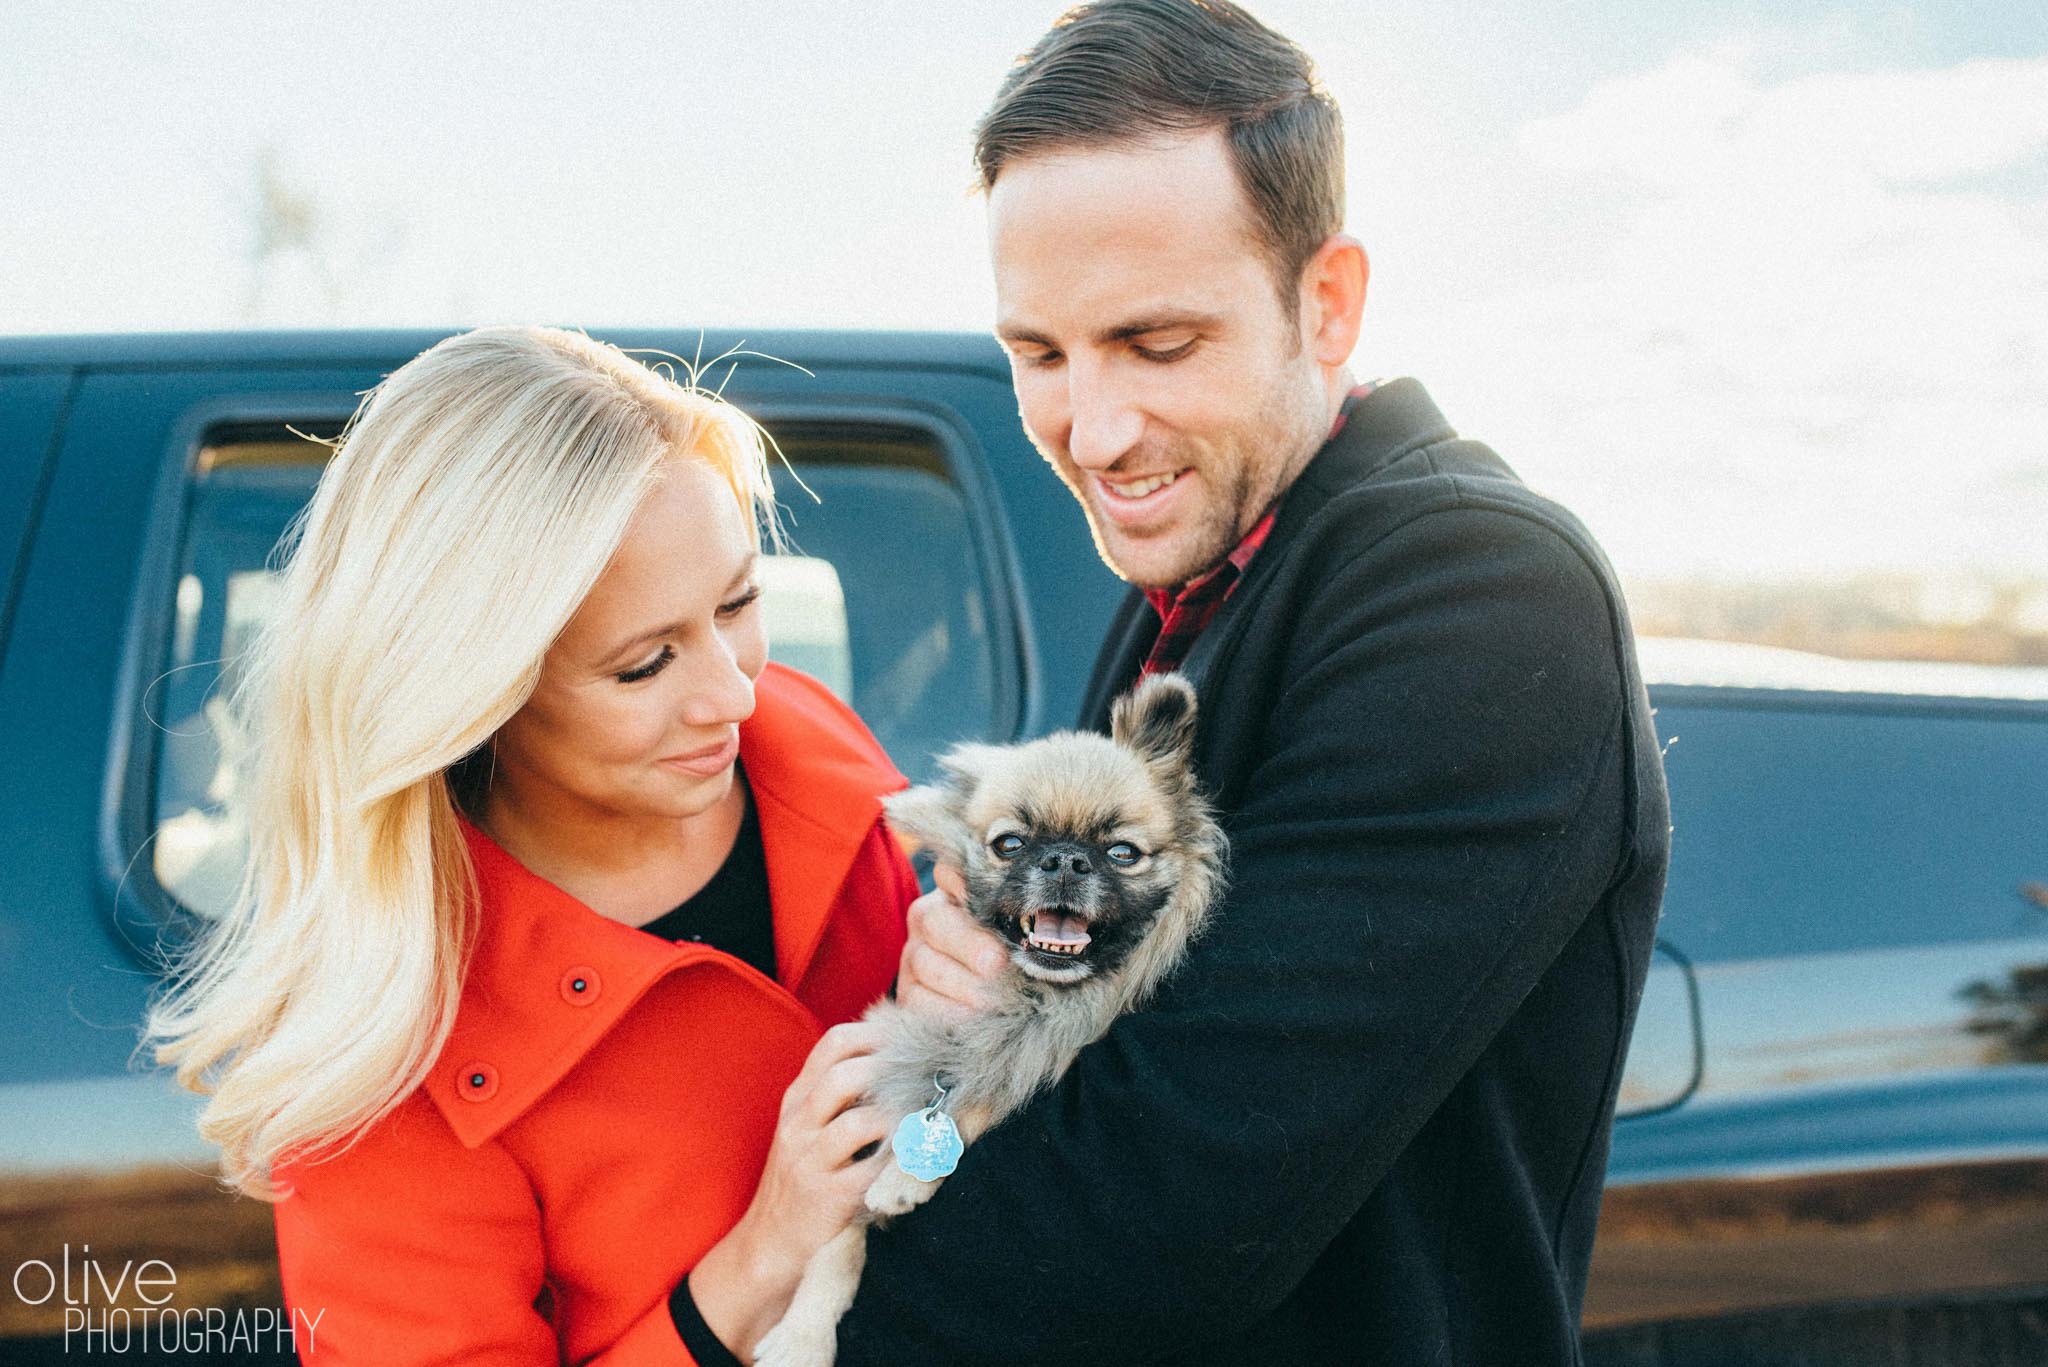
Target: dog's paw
(797, 1344)
(896, 1191)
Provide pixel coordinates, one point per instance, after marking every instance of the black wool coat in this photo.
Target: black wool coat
(1368, 1120)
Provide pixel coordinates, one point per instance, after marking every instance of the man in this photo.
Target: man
(1368, 1121)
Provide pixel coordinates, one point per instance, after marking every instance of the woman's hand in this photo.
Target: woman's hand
(951, 962)
(810, 1189)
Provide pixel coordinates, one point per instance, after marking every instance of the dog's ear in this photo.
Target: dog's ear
(964, 765)
(928, 817)
(1157, 719)
(932, 816)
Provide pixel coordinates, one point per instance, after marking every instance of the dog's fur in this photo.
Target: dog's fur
(1032, 827)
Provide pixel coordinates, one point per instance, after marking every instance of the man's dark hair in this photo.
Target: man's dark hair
(1121, 70)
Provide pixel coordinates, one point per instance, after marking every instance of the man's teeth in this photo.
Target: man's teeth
(1144, 486)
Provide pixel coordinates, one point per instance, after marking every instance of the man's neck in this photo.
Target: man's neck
(1337, 387)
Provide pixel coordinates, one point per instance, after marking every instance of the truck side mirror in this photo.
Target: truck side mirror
(1667, 1053)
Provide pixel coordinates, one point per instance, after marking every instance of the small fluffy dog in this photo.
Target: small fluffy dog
(1098, 860)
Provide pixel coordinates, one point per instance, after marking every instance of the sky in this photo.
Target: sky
(1756, 290)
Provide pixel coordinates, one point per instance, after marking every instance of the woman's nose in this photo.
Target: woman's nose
(720, 692)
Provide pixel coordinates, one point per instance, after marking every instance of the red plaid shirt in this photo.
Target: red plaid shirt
(1186, 611)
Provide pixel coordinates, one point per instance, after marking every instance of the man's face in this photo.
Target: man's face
(1155, 368)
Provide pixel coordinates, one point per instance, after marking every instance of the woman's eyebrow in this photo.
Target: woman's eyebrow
(666, 628)
(745, 571)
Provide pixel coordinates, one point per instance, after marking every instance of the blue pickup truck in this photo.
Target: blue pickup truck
(1834, 1140)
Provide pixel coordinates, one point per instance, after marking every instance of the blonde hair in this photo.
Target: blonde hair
(471, 505)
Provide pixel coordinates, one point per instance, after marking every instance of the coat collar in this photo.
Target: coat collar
(1388, 423)
(548, 976)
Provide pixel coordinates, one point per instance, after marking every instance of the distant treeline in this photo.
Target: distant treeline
(1871, 617)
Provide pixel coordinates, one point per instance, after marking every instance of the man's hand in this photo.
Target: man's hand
(951, 963)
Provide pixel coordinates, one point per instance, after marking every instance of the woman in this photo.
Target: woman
(502, 1019)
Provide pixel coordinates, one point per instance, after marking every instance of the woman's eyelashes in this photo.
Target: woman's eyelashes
(726, 612)
(651, 668)
(740, 604)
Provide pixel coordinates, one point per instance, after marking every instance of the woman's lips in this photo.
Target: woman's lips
(708, 762)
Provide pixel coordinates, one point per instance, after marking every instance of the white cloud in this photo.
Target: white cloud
(1705, 119)
(1813, 333)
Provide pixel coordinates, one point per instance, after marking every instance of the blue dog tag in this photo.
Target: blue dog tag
(927, 1145)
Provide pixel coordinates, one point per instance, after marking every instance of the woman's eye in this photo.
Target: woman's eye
(651, 668)
(1007, 846)
(741, 603)
(1123, 852)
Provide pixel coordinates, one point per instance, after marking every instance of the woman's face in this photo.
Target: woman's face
(640, 699)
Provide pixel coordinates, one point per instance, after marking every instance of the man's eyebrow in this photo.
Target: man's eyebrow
(1160, 322)
(1011, 332)
(1122, 332)
(739, 577)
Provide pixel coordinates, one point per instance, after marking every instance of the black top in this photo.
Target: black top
(705, 1346)
(1368, 1119)
(731, 911)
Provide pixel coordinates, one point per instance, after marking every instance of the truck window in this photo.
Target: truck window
(30, 405)
(883, 599)
(1810, 826)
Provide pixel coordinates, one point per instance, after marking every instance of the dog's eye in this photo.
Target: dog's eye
(1123, 852)
(1007, 845)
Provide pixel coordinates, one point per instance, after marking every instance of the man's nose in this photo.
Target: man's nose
(1103, 421)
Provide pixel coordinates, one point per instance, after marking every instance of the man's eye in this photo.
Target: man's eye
(1164, 354)
(1036, 360)
(1007, 846)
(1123, 852)
(651, 668)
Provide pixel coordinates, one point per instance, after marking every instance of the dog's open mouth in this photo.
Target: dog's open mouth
(1056, 931)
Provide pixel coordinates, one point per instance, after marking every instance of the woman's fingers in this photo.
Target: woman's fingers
(816, 1099)
(839, 1069)
(851, 1039)
(846, 1040)
(853, 1131)
(843, 1086)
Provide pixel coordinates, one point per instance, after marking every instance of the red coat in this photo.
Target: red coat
(575, 1151)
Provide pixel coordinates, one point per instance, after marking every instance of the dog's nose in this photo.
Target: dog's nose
(1066, 861)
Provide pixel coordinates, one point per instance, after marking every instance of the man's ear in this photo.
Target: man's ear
(1333, 298)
